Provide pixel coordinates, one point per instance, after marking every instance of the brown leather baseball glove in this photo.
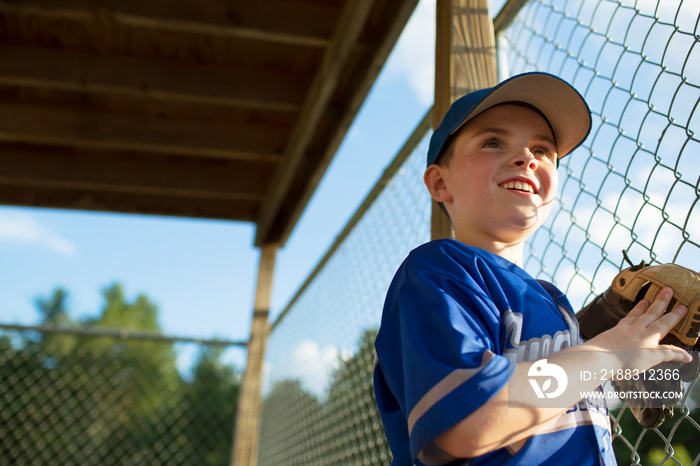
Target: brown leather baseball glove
(629, 287)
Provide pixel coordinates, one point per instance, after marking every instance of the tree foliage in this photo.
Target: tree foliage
(681, 429)
(342, 428)
(67, 399)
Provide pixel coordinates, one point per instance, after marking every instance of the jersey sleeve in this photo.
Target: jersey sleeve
(438, 351)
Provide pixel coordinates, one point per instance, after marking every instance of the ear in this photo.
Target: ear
(435, 182)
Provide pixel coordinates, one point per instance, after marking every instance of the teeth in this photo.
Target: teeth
(518, 185)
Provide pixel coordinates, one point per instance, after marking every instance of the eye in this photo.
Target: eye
(544, 152)
(491, 143)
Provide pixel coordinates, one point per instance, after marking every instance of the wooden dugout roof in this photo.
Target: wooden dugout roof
(220, 109)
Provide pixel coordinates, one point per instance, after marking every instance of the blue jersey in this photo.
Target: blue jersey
(456, 320)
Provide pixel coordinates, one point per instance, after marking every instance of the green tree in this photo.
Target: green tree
(54, 309)
(684, 439)
(210, 401)
(53, 312)
(20, 418)
(351, 402)
(86, 400)
(291, 425)
(343, 428)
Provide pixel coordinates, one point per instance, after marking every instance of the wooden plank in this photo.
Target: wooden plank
(146, 174)
(192, 137)
(440, 225)
(465, 60)
(189, 207)
(276, 21)
(348, 30)
(247, 431)
(507, 15)
(220, 30)
(473, 48)
(98, 73)
(125, 189)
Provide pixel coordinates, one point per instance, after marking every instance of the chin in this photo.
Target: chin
(531, 221)
(518, 232)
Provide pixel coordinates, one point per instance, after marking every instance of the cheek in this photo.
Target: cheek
(471, 183)
(480, 170)
(471, 177)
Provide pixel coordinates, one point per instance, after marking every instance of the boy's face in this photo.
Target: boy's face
(501, 180)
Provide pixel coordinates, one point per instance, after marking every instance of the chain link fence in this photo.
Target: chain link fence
(633, 185)
(88, 399)
(318, 405)
(72, 398)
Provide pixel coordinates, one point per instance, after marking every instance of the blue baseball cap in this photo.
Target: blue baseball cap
(562, 106)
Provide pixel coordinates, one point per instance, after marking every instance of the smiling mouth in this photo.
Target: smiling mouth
(519, 186)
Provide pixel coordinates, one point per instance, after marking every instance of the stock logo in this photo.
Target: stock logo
(547, 372)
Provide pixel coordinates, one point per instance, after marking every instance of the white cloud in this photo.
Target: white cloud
(312, 365)
(23, 229)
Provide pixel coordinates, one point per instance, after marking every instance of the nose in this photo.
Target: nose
(525, 158)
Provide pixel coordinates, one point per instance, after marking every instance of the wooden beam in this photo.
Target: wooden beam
(118, 75)
(346, 35)
(374, 63)
(465, 61)
(247, 430)
(114, 172)
(126, 189)
(268, 21)
(440, 225)
(220, 30)
(473, 48)
(507, 15)
(189, 207)
(194, 136)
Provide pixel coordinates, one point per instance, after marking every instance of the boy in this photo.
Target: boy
(463, 322)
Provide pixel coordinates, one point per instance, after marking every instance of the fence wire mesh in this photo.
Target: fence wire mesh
(318, 405)
(69, 399)
(633, 185)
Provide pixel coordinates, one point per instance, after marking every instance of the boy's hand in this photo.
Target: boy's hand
(639, 282)
(638, 334)
(636, 342)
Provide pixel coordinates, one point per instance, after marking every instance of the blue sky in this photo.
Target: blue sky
(202, 274)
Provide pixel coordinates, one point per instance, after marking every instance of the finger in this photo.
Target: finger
(638, 310)
(666, 322)
(674, 353)
(658, 307)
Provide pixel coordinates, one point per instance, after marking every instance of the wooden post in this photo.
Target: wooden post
(247, 431)
(465, 60)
